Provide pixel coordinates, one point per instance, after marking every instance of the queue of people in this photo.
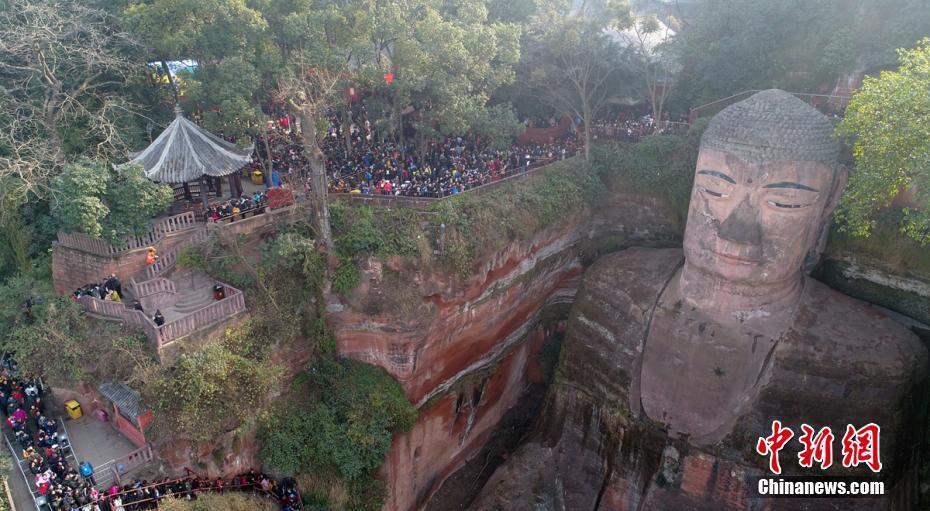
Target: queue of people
(448, 167)
(43, 450)
(143, 495)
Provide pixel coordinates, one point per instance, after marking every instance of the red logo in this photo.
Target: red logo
(860, 446)
(817, 447)
(770, 446)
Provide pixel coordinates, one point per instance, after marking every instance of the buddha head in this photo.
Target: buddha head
(766, 183)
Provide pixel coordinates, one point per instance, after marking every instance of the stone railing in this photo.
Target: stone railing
(151, 287)
(160, 336)
(117, 311)
(220, 310)
(83, 242)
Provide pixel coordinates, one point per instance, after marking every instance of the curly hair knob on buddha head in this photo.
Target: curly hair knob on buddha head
(773, 125)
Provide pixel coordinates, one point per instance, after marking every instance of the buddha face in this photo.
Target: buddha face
(755, 223)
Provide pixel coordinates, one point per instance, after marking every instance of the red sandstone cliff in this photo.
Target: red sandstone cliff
(464, 351)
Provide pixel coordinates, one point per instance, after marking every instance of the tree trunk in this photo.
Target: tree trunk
(318, 187)
(346, 121)
(586, 113)
(174, 86)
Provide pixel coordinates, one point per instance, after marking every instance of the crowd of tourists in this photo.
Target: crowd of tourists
(143, 495)
(359, 161)
(629, 128)
(236, 208)
(43, 450)
(110, 288)
(451, 166)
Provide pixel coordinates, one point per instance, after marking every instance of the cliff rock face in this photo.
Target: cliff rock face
(594, 450)
(465, 350)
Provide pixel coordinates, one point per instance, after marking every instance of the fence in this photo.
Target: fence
(819, 101)
(424, 202)
(161, 336)
(158, 231)
(220, 310)
(151, 287)
(112, 471)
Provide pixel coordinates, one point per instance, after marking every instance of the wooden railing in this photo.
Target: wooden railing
(83, 242)
(221, 310)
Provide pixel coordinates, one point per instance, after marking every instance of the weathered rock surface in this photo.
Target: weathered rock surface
(594, 449)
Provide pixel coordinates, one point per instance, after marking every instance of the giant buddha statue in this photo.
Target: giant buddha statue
(696, 352)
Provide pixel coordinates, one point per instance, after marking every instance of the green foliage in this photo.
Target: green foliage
(478, 224)
(106, 203)
(377, 231)
(36, 323)
(658, 166)
(226, 501)
(211, 390)
(735, 45)
(292, 271)
(346, 277)
(363, 231)
(192, 258)
(349, 412)
(889, 120)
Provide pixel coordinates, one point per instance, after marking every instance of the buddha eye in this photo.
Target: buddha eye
(786, 206)
(714, 194)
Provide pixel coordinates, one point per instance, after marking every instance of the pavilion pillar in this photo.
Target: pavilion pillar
(235, 185)
(218, 183)
(203, 193)
(187, 192)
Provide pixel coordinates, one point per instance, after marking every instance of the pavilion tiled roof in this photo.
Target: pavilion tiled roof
(126, 399)
(184, 152)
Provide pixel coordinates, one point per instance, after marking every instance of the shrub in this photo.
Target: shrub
(38, 322)
(107, 203)
(209, 391)
(347, 414)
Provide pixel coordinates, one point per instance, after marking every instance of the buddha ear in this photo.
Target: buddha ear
(840, 178)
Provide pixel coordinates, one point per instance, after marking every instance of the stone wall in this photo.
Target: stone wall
(72, 268)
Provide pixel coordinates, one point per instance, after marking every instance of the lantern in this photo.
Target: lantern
(389, 78)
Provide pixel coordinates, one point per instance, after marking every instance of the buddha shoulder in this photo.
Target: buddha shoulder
(857, 335)
(631, 280)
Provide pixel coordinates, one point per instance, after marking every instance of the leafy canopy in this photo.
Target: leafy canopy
(889, 121)
(340, 416)
(106, 203)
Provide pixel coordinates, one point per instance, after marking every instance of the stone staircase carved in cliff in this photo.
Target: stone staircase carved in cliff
(185, 298)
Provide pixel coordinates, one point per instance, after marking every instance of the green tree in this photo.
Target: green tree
(212, 390)
(573, 65)
(63, 71)
(888, 120)
(350, 411)
(106, 203)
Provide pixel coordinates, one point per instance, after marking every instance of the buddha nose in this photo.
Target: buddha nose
(742, 226)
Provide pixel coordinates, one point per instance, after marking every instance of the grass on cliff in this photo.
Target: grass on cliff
(476, 224)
